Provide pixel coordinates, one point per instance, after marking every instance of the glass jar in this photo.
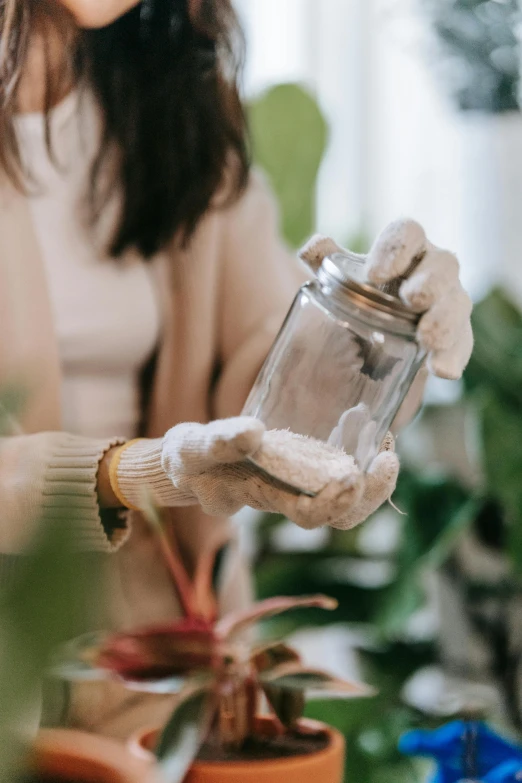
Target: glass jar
(342, 363)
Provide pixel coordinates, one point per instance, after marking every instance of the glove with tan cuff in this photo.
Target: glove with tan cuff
(209, 465)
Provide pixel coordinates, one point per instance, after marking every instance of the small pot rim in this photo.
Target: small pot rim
(336, 742)
(70, 752)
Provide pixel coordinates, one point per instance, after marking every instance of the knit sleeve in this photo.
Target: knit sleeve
(50, 474)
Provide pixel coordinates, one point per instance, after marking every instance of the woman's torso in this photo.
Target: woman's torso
(105, 311)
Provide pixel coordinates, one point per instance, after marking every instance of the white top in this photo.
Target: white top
(106, 312)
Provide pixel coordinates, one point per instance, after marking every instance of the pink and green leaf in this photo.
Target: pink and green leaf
(163, 686)
(288, 704)
(77, 660)
(159, 652)
(270, 655)
(182, 583)
(186, 730)
(238, 622)
(296, 677)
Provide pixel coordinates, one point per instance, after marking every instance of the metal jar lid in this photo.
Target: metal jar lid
(347, 269)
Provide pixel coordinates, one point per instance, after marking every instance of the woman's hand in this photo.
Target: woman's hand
(207, 464)
(432, 288)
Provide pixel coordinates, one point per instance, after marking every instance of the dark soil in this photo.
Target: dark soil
(263, 748)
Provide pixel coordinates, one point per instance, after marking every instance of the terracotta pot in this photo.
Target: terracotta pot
(86, 758)
(325, 766)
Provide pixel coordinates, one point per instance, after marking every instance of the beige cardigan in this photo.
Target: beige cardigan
(224, 300)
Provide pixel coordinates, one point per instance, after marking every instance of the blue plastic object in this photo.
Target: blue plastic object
(465, 751)
(509, 772)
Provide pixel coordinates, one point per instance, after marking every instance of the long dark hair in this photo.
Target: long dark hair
(174, 127)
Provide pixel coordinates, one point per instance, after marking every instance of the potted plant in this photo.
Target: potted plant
(217, 731)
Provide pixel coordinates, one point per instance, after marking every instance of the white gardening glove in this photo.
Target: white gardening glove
(433, 288)
(206, 464)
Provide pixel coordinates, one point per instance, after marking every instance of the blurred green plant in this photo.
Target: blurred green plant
(372, 729)
(45, 595)
(359, 242)
(12, 400)
(479, 51)
(493, 386)
(289, 136)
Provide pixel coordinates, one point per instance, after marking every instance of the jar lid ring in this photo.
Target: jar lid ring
(347, 269)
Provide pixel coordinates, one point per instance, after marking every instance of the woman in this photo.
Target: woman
(142, 283)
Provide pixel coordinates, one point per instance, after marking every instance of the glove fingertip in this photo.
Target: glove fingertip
(385, 467)
(442, 368)
(243, 439)
(316, 249)
(394, 249)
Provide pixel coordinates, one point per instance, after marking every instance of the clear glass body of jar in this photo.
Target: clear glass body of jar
(342, 363)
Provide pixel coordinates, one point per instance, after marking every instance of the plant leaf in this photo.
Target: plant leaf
(76, 660)
(290, 161)
(48, 600)
(502, 438)
(186, 730)
(182, 582)
(78, 671)
(438, 511)
(270, 655)
(12, 402)
(287, 703)
(296, 677)
(496, 362)
(165, 685)
(160, 651)
(237, 622)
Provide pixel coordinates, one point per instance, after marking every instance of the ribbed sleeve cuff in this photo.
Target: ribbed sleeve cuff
(70, 491)
(140, 474)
